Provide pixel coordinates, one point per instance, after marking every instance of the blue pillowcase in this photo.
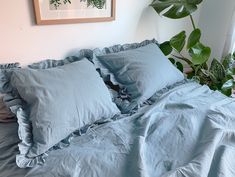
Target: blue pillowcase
(50, 63)
(142, 71)
(104, 72)
(58, 101)
(59, 95)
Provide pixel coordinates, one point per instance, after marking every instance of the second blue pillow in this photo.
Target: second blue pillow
(142, 71)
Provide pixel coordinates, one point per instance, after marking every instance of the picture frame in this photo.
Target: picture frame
(76, 11)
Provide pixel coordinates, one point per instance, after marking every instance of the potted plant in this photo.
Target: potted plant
(219, 75)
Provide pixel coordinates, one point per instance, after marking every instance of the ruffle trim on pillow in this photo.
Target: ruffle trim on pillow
(9, 65)
(131, 107)
(161, 92)
(104, 72)
(24, 132)
(123, 100)
(5, 74)
(17, 106)
(50, 63)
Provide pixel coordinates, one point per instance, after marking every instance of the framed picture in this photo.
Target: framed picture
(50, 12)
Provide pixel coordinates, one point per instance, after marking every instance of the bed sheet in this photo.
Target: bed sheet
(187, 131)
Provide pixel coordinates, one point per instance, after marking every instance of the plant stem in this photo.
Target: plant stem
(184, 59)
(191, 18)
(181, 57)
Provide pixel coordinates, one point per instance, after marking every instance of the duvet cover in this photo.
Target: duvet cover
(187, 131)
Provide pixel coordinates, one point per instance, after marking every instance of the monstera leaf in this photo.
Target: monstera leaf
(219, 76)
(175, 8)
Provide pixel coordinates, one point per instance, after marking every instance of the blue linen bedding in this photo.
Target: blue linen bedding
(187, 131)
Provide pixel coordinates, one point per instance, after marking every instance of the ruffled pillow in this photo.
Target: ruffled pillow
(141, 71)
(104, 72)
(56, 102)
(50, 63)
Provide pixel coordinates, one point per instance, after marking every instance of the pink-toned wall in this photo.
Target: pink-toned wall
(23, 41)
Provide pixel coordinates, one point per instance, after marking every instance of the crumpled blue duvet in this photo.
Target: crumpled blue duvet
(188, 131)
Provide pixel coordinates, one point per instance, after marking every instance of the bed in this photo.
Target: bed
(184, 129)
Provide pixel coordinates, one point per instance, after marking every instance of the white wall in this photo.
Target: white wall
(215, 20)
(167, 28)
(25, 42)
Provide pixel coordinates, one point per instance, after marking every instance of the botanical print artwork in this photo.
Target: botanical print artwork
(76, 4)
(74, 11)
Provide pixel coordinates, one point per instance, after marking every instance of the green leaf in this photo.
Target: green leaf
(175, 8)
(190, 75)
(205, 66)
(178, 41)
(199, 53)
(172, 60)
(204, 75)
(180, 66)
(228, 77)
(166, 48)
(227, 87)
(228, 61)
(194, 38)
(177, 64)
(218, 71)
(198, 69)
(227, 92)
(213, 78)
